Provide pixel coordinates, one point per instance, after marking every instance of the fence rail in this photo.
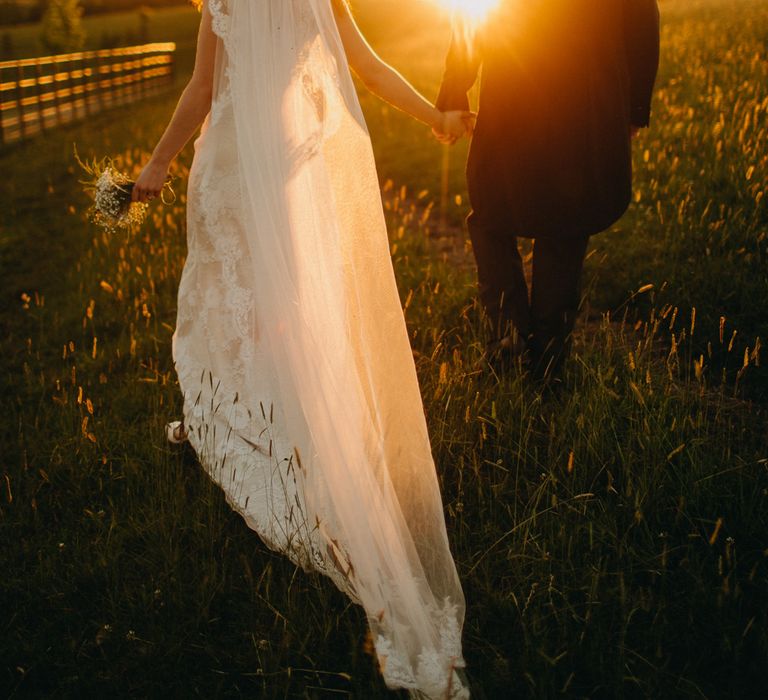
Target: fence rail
(40, 93)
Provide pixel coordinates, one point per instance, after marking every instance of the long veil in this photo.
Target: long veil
(330, 319)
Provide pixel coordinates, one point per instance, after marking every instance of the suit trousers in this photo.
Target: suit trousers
(544, 319)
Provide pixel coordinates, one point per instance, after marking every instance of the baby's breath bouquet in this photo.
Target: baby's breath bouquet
(111, 191)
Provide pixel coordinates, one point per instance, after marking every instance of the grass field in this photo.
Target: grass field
(177, 24)
(612, 539)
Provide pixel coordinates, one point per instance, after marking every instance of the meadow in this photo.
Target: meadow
(612, 538)
(177, 24)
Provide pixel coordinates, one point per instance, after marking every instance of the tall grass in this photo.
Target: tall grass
(611, 537)
(699, 228)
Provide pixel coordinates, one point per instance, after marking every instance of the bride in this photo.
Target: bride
(300, 393)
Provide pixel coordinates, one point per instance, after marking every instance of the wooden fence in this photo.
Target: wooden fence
(40, 93)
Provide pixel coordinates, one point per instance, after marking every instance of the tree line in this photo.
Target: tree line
(24, 11)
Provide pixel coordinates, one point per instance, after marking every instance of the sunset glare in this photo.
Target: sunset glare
(473, 10)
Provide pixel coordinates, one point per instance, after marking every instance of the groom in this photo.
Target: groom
(565, 85)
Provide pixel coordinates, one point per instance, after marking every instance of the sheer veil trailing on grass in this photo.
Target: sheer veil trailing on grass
(300, 393)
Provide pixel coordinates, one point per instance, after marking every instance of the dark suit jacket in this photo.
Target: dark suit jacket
(562, 82)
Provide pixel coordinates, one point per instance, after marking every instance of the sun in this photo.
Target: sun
(473, 10)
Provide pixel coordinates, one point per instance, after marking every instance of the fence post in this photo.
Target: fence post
(142, 67)
(99, 93)
(71, 83)
(87, 78)
(2, 117)
(55, 89)
(20, 101)
(38, 90)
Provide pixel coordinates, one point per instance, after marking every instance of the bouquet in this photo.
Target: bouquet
(111, 191)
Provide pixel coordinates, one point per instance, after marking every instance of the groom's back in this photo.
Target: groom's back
(542, 54)
(563, 81)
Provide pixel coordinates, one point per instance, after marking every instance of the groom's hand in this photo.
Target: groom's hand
(455, 125)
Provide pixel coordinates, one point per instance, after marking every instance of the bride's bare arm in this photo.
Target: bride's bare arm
(193, 106)
(384, 81)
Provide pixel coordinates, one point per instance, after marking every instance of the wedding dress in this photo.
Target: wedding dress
(300, 392)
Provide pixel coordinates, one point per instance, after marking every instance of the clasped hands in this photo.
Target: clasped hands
(454, 125)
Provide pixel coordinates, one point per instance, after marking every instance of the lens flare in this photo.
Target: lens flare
(476, 11)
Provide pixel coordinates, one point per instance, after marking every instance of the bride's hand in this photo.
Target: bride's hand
(150, 182)
(455, 125)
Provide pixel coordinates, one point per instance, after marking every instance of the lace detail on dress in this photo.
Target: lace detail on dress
(215, 291)
(219, 18)
(220, 23)
(242, 450)
(217, 348)
(223, 101)
(246, 452)
(435, 674)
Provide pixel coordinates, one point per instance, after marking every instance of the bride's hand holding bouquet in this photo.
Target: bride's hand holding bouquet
(116, 202)
(151, 181)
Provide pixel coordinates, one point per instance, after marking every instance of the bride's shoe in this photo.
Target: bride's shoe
(175, 432)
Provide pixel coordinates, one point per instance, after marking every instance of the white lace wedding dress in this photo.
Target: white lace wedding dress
(300, 393)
